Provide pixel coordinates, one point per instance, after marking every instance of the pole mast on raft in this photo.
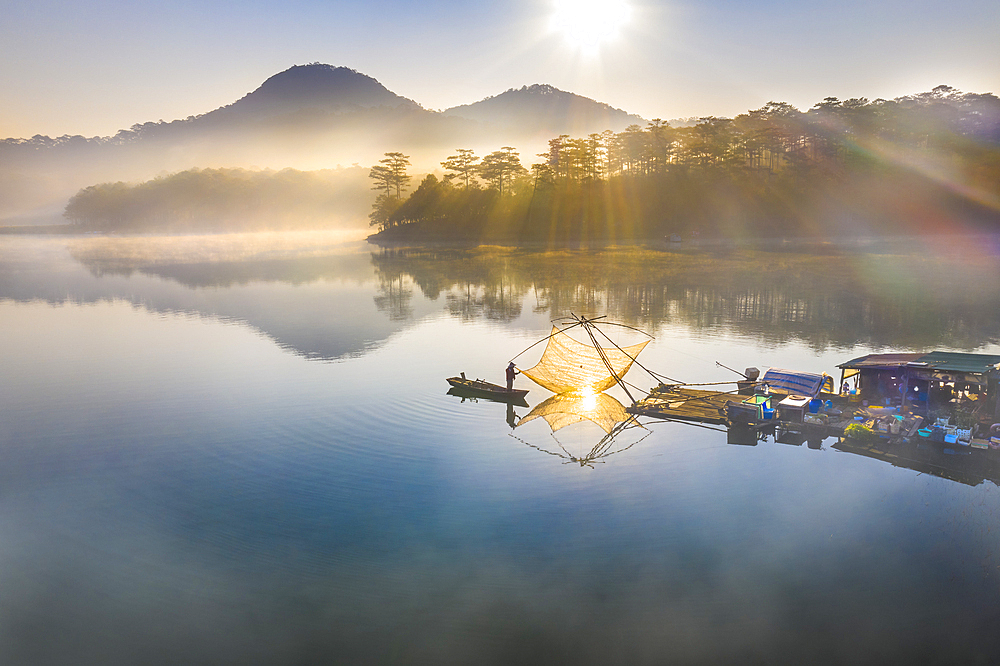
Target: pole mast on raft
(587, 326)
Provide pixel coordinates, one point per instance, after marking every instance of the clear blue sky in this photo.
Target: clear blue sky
(94, 66)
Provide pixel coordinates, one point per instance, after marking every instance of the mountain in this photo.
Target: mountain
(307, 117)
(544, 109)
(317, 87)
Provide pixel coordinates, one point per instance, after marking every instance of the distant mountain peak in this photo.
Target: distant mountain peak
(317, 86)
(532, 90)
(539, 89)
(543, 107)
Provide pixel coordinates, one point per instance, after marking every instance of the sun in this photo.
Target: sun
(588, 24)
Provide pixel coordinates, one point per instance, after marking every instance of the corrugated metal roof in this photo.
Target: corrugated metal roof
(958, 362)
(936, 360)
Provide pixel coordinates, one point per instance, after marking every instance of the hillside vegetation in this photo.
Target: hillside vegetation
(223, 200)
(924, 163)
(917, 164)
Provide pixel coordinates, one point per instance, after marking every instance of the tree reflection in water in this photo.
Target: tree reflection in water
(903, 298)
(394, 297)
(891, 296)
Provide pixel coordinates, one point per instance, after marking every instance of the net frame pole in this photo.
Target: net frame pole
(587, 325)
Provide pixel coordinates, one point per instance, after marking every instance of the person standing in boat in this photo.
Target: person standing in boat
(511, 372)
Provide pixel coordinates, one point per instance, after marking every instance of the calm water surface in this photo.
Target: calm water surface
(240, 450)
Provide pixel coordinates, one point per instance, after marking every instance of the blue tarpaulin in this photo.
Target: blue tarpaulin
(798, 383)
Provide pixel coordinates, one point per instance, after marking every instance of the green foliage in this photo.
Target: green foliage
(500, 168)
(383, 210)
(964, 419)
(390, 179)
(772, 172)
(860, 433)
(463, 166)
(382, 175)
(390, 174)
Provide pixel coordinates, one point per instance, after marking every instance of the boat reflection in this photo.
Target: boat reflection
(566, 412)
(473, 396)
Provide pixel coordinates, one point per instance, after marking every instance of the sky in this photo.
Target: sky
(92, 67)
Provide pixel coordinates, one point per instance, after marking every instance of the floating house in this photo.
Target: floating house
(943, 397)
(927, 383)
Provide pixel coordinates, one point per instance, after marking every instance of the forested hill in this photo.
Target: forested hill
(307, 117)
(316, 86)
(224, 200)
(922, 163)
(543, 108)
(926, 163)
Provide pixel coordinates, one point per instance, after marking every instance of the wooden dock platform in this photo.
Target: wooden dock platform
(670, 401)
(676, 402)
(682, 403)
(969, 464)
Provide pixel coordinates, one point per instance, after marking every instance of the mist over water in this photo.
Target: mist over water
(239, 449)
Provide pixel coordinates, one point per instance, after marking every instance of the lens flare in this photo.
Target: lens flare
(587, 24)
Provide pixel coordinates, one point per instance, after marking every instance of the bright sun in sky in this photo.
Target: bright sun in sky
(587, 24)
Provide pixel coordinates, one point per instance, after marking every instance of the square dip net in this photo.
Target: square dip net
(570, 366)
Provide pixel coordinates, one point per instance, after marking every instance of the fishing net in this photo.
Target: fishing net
(566, 409)
(570, 366)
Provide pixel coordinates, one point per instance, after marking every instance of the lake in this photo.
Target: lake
(241, 450)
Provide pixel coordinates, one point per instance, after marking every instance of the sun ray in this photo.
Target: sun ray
(588, 24)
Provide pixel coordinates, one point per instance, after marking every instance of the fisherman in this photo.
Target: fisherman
(510, 376)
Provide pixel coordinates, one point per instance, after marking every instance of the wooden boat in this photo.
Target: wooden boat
(481, 388)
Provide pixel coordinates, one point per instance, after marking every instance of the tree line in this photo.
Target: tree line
(213, 199)
(918, 163)
(774, 170)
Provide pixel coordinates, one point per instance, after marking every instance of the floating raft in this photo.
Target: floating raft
(669, 401)
(680, 403)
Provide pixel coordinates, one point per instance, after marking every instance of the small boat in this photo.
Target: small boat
(479, 387)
